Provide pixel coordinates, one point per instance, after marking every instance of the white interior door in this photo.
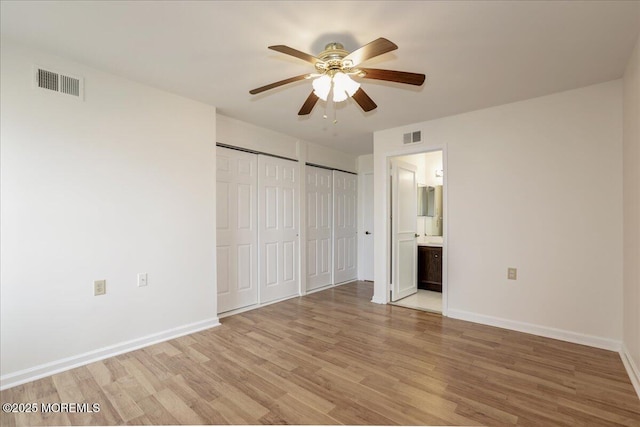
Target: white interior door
(345, 251)
(365, 263)
(404, 250)
(278, 188)
(319, 220)
(237, 238)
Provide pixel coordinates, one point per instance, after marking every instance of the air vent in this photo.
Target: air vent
(70, 85)
(412, 137)
(57, 82)
(47, 79)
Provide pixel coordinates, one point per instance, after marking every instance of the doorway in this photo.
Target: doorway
(417, 231)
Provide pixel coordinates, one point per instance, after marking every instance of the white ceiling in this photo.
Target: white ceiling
(475, 54)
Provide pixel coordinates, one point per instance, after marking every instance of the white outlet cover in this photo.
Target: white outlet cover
(99, 287)
(142, 279)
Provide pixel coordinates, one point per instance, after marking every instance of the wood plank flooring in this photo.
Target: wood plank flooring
(333, 357)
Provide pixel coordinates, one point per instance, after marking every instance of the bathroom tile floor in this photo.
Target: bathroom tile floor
(423, 300)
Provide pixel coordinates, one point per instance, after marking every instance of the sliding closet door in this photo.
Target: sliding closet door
(237, 237)
(319, 220)
(278, 188)
(345, 195)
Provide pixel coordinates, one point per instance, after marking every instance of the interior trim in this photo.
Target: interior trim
(543, 331)
(46, 369)
(329, 168)
(632, 370)
(247, 150)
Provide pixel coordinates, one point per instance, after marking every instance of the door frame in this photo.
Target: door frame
(382, 291)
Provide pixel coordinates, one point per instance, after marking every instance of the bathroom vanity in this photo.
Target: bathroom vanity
(430, 267)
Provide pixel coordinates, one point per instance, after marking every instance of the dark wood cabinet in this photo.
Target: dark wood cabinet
(430, 268)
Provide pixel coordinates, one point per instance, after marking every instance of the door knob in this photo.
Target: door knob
(367, 232)
(417, 235)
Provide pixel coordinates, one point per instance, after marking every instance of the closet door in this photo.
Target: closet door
(278, 188)
(319, 220)
(237, 237)
(345, 195)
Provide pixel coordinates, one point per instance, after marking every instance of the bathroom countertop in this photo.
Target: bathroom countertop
(430, 242)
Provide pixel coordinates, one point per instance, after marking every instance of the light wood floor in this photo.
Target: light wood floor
(335, 358)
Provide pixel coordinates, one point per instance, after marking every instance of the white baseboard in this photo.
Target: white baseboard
(254, 306)
(47, 369)
(345, 282)
(544, 331)
(631, 367)
(377, 300)
(320, 289)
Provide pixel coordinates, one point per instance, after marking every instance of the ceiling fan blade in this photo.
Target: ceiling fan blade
(276, 84)
(294, 52)
(371, 50)
(308, 104)
(364, 101)
(394, 76)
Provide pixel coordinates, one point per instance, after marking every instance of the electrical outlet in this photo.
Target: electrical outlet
(512, 273)
(142, 279)
(99, 287)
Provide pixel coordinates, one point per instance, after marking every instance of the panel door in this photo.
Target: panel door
(278, 188)
(366, 236)
(237, 237)
(345, 250)
(319, 227)
(404, 250)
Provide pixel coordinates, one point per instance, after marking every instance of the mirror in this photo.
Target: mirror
(422, 200)
(426, 200)
(430, 207)
(431, 192)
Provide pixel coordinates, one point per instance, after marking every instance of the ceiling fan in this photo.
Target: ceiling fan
(335, 66)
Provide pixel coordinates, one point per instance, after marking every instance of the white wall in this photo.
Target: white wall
(331, 158)
(631, 195)
(246, 135)
(535, 185)
(120, 184)
(364, 164)
(432, 163)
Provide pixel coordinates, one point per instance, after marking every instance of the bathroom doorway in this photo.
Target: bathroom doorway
(417, 231)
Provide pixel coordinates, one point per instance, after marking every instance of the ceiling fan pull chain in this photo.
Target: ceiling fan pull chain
(335, 114)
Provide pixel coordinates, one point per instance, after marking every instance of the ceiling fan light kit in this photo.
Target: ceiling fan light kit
(322, 86)
(335, 66)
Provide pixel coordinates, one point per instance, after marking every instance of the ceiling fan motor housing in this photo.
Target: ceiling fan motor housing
(332, 58)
